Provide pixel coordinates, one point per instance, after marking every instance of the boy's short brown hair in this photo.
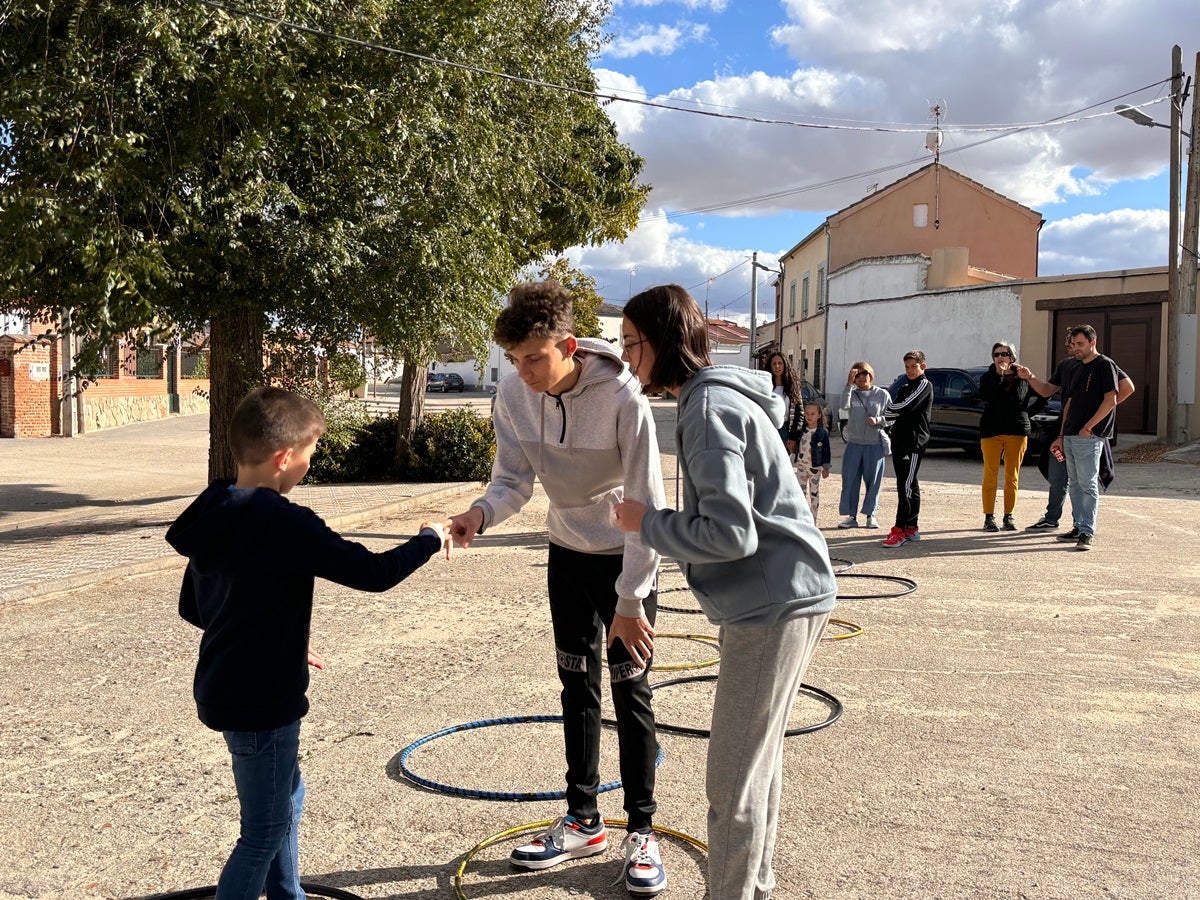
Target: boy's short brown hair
(917, 356)
(270, 419)
(542, 309)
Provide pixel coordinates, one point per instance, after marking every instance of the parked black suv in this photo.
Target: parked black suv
(957, 410)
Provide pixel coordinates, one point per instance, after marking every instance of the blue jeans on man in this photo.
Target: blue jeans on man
(1056, 475)
(266, 772)
(1083, 472)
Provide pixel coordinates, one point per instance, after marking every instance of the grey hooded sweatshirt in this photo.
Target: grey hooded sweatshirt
(592, 444)
(752, 552)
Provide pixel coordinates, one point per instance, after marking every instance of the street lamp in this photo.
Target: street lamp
(1133, 114)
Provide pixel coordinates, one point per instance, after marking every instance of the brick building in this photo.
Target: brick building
(134, 382)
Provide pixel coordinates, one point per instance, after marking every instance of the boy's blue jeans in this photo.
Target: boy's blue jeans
(266, 772)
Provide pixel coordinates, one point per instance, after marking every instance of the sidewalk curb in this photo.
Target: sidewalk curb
(170, 559)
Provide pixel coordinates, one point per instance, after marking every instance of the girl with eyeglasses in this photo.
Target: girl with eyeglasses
(754, 559)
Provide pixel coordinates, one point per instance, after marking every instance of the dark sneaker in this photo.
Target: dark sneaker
(1069, 536)
(989, 523)
(1084, 542)
(644, 872)
(566, 838)
(1009, 524)
(1042, 524)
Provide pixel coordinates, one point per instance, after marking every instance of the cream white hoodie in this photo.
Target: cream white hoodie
(596, 439)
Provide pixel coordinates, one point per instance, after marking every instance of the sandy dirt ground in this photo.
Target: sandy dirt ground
(1024, 724)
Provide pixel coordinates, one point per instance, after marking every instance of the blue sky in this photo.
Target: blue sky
(874, 69)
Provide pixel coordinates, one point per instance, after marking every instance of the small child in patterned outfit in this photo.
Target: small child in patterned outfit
(809, 442)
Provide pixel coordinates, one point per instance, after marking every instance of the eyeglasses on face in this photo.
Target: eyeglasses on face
(1001, 354)
(862, 375)
(629, 345)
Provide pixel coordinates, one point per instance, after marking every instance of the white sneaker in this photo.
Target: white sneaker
(872, 522)
(848, 522)
(565, 839)
(643, 873)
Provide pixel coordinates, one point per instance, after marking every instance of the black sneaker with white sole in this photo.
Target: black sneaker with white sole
(1084, 542)
(1069, 536)
(1042, 524)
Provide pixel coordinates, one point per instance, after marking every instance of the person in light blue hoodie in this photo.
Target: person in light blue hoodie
(753, 557)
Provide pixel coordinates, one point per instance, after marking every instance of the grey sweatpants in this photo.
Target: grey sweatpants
(762, 667)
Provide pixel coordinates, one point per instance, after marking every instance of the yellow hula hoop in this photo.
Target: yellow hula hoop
(709, 639)
(854, 630)
(534, 826)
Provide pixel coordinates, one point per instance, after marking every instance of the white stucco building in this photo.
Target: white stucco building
(879, 309)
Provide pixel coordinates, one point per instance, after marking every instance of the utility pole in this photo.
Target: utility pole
(1186, 396)
(755, 265)
(753, 304)
(1174, 417)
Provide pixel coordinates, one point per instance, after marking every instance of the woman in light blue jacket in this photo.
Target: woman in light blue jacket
(862, 463)
(754, 559)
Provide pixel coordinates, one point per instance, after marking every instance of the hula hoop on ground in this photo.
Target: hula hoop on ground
(907, 583)
(852, 630)
(535, 826)
(834, 704)
(478, 794)
(845, 565)
(204, 893)
(709, 639)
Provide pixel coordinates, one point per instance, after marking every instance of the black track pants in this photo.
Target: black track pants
(583, 600)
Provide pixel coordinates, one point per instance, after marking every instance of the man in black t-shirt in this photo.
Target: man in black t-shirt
(1089, 391)
(1055, 469)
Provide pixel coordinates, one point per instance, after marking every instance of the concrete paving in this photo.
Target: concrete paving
(1023, 725)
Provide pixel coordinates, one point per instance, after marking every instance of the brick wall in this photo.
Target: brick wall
(28, 388)
(31, 391)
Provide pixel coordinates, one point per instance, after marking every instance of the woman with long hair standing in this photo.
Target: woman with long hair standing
(785, 383)
(754, 559)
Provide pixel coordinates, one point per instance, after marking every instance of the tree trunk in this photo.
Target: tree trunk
(412, 408)
(236, 368)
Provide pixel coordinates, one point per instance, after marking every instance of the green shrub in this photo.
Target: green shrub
(456, 445)
(364, 452)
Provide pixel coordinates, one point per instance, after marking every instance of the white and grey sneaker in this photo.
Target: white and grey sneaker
(872, 522)
(848, 522)
(566, 838)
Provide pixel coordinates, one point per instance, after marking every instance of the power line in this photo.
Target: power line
(617, 98)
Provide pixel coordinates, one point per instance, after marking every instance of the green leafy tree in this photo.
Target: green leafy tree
(582, 286)
(171, 163)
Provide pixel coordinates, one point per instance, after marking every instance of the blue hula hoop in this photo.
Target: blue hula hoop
(477, 794)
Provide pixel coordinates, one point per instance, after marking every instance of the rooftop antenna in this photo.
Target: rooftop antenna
(933, 143)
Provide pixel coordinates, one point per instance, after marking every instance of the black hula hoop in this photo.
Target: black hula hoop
(517, 796)
(908, 584)
(845, 565)
(834, 704)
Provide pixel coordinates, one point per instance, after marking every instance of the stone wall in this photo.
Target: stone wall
(101, 411)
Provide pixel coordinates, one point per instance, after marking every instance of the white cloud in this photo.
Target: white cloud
(1104, 242)
(661, 251)
(992, 62)
(657, 40)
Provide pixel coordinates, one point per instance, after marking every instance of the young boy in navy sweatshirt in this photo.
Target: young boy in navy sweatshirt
(253, 557)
